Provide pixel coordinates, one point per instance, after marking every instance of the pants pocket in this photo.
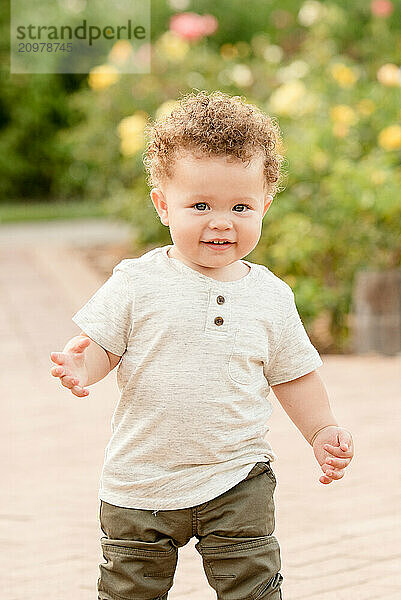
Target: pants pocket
(246, 568)
(270, 473)
(136, 570)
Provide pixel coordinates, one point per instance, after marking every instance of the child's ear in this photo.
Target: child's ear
(160, 204)
(268, 201)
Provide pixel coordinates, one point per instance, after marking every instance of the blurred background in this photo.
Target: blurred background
(74, 202)
(71, 145)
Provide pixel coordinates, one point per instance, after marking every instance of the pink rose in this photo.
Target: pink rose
(381, 8)
(192, 26)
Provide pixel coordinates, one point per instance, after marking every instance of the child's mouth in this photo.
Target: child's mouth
(218, 246)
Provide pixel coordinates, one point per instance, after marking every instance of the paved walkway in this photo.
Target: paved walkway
(341, 541)
(75, 232)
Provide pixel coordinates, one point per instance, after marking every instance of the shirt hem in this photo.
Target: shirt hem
(302, 371)
(105, 344)
(175, 504)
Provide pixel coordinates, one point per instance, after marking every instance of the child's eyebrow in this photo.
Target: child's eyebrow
(205, 197)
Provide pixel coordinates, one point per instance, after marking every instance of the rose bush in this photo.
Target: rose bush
(329, 72)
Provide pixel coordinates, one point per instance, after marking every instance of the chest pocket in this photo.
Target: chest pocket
(249, 352)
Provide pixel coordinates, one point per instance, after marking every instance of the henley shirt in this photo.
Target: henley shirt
(198, 359)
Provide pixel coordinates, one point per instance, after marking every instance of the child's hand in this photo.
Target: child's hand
(334, 449)
(71, 367)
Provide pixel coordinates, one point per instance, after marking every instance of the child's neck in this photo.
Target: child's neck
(238, 270)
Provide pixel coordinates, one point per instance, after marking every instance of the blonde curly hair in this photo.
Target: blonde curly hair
(214, 124)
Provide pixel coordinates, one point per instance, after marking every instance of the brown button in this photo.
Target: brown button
(219, 320)
(220, 299)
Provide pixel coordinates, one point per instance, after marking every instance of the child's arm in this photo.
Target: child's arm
(82, 362)
(306, 402)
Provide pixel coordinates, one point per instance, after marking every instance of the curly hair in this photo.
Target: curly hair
(214, 124)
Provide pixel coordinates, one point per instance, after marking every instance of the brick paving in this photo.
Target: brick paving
(341, 541)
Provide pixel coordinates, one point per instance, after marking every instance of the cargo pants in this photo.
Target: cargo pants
(240, 556)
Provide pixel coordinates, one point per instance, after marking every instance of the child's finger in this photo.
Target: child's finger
(330, 471)
(68, 381)
(57, 357)
(336, 451)
(72, 383)
(345, 445)
(325, 479)
(337, 474)
(57, 371)
(338, 463)
(80, 345)
(79, 391)
(344, 439)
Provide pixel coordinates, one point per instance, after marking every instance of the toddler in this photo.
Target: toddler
(200, 336)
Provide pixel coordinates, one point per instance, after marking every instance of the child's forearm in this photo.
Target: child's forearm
(306, 402)
(96, 360)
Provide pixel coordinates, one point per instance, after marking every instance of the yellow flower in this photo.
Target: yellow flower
(241, 75)
(173, 46)
(340, 129)
(131, 131)
(165, 109)
(228, 51)
(102, 77)
(130, 146)
(120, 52)
(344, 76)
(390, 137)
(343, 114)
(389, 75)
(378, 177)
(285, 99)
(366, 106)
(132, 125)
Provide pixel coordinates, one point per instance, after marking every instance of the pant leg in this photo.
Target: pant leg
(140, 550)
(240, 554)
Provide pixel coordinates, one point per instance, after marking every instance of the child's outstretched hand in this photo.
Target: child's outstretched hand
(334, 449)
(71, 367)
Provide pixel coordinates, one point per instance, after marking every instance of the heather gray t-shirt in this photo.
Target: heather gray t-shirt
(198, 358)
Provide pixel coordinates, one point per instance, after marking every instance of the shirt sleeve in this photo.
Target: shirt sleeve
(107, 316)
(294, 355)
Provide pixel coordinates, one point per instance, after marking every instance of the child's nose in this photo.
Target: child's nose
(222, 221)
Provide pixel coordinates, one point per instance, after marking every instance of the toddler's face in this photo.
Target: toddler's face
(209, 199)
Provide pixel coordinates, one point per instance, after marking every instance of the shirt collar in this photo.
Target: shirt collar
(187, 271)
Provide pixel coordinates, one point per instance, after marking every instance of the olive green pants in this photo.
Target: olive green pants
(240, 556)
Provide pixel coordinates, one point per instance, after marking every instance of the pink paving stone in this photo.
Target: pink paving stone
(337, 541)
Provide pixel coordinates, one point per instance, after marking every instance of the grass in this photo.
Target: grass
(49, 211)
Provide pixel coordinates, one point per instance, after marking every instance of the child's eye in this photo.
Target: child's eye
(204, 204)
(246, 206)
